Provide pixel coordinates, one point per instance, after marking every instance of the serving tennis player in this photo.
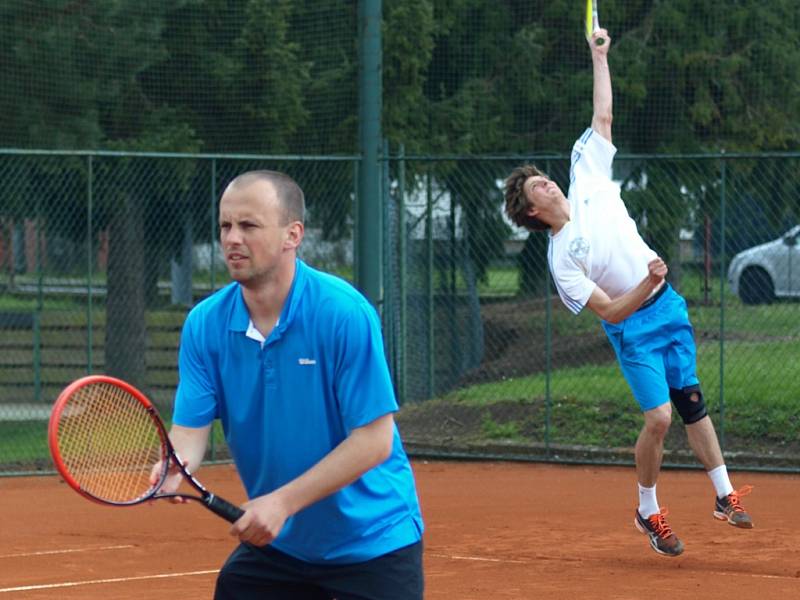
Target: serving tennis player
(599, 261)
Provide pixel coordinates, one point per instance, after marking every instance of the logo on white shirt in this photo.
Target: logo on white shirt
(306, 361)
(579, 248)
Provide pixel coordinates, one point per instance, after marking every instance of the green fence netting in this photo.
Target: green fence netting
(490, 363)
(101, 255)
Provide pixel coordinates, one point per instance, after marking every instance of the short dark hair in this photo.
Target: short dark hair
(517, 203)
(288, 191)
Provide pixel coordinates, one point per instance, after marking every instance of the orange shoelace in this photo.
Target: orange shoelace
(658, 522)
(733, 498)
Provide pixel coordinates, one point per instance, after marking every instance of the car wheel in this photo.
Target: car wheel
(756, 287)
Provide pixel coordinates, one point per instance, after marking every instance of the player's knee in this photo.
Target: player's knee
(658, 420)
(689, 403)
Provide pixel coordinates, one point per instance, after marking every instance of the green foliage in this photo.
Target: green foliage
(717, 73)
(271, 74)
(494, 430)
(82, 64)
(460, 76)
(408, 44)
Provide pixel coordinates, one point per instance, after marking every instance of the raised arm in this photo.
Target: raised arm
(602, 96)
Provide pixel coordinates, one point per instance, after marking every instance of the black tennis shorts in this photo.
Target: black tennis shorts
(252, 573)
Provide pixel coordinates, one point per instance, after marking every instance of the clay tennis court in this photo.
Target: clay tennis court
(494, 530)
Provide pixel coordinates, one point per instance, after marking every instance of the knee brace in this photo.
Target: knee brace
(689, 403)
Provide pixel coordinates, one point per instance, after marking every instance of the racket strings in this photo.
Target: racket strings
(109, 443)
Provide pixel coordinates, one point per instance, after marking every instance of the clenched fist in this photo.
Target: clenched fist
(657, 270)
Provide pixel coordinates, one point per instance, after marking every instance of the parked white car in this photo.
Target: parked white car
(763, 273)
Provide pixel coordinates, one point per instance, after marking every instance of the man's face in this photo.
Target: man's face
(253, 231)
(541, 193)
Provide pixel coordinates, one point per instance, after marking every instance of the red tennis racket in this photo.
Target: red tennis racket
(106, 438)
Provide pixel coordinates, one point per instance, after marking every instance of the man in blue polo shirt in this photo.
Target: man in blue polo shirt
(291, 360)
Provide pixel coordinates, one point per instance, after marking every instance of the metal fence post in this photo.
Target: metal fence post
(431, 303)
(548, 345)
(89, 263)
(37, 331)
(370, 251)
(37, 356)
(388, 316)
(722, 276)
(213, 221)
(401, 283)
(213, 271)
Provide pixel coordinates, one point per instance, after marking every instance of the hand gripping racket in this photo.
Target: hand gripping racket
(592, 21)
(106, 438)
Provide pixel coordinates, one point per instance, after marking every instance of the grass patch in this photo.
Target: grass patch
(593, 406)
(24, 442)
(494, 430)
(24, 445)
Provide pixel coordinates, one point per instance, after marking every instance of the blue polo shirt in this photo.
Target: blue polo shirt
(287, 402)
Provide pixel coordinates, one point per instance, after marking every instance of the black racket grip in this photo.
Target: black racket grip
(222, 508)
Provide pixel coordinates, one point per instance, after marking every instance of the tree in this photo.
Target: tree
(83, 63)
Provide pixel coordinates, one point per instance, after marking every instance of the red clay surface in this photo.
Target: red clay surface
(494, 530)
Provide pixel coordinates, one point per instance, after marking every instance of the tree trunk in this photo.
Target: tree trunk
(126, 332)
(532, 263)
(181, 266)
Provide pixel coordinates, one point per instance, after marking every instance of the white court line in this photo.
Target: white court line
(65, 551)
(480, 558)
(50, 586)
(530, 562)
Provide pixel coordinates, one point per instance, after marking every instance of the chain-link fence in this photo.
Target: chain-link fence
(101, 254)
(494, 365)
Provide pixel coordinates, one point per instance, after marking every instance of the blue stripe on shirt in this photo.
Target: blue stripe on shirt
(576, 155)
(573, 305)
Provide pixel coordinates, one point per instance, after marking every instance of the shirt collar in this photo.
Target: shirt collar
(240, 316)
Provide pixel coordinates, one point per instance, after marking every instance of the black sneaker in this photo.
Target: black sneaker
(661, 537)
(731, 510)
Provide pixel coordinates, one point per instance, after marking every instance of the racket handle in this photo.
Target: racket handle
(222, 508)
(600, 41)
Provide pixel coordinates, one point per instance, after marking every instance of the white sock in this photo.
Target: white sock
(719, 477)
(648, 504)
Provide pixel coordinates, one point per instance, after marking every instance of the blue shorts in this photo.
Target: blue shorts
(655, 348)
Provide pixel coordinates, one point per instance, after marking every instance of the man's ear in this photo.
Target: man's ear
(294, 235)
(532, 211)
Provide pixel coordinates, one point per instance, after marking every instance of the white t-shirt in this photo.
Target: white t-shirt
(599, 245)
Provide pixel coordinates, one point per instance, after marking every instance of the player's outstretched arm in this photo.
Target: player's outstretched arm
(602, 95)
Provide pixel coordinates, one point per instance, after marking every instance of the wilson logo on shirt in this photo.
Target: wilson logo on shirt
(306, 361)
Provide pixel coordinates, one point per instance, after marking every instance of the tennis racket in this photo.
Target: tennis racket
(106, 439)
(592, 22)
